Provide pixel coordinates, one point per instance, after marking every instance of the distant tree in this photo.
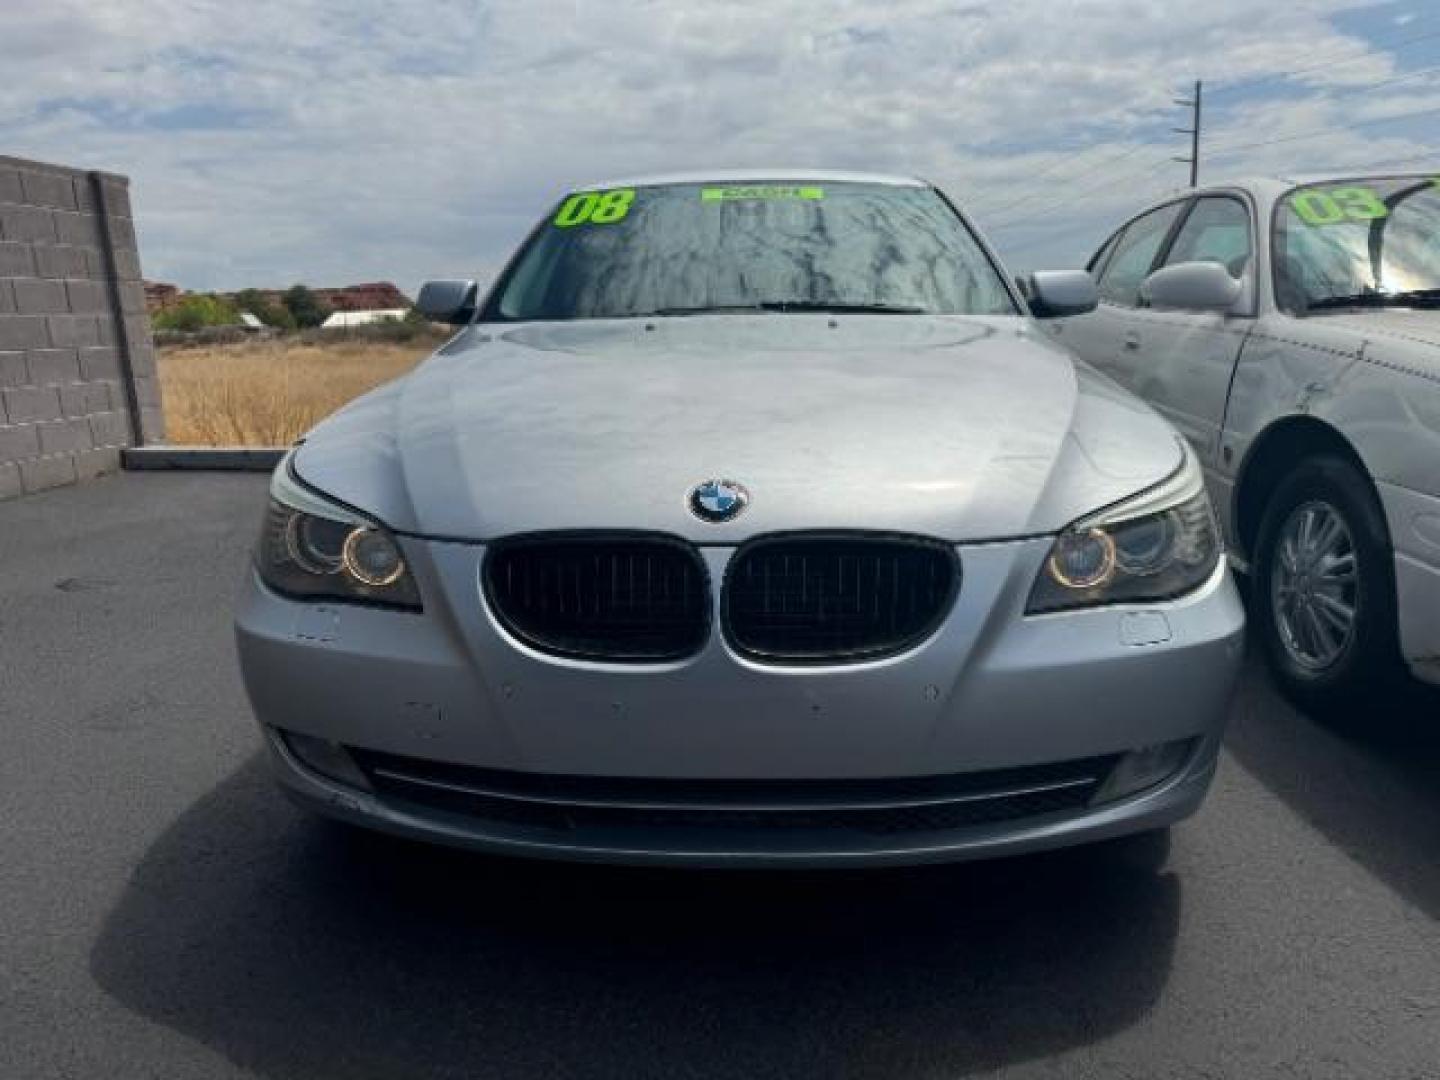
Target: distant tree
(271, 314)
(305, 306)
(197, 311)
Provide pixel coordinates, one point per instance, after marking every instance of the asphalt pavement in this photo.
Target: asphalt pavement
(164, 913)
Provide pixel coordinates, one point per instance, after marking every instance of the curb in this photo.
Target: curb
(202, 458)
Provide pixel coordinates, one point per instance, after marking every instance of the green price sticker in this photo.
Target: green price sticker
(1338, 205)
(594, 208)
(762, 191)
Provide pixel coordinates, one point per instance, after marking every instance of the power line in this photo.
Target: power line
(1033, 190)
(1400, 42)
(1328, 129)
(1072, 198)
(1034, 193)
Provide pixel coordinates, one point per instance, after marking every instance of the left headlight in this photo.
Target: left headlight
(1160, 545)
(313, 549)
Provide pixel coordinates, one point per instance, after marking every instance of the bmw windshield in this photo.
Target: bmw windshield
(1359, 243)
(682, 249)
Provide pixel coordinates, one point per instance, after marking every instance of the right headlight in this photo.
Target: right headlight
(312, 548)
(1157, 546)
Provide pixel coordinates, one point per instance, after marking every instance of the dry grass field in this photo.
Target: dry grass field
(267, 393)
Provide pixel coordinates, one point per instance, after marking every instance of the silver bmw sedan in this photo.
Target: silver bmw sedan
(748, 519)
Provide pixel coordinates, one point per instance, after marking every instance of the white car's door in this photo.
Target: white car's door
(1121, 265)
(1182, 361)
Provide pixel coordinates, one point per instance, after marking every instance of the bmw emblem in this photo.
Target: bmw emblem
(718, 500)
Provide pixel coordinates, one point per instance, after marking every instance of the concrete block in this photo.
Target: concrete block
(106, 331)
(51, 366)
(7, 297)
(88, 297)
(15, 260)
(142, 358)
(74, 330)
(100, 362)
(62, 261)
(34, 296)
(115, 190)
(27, 224)
(110, 429)
(132, 297)
(152, 425)
(147, 391)
(84, 194)
(127, 265)
(122, 234)
(40, 474)
(19, 441)
(10, 186)
(30, 403)
(24, 332)
(208, 458)
(85, 399)
(10, 485)
(81, 229)
(64, 436)
(48, 189)
(90, 464)
(137, 329)
(13, 369)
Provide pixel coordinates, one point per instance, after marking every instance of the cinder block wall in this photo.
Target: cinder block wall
(77, 366)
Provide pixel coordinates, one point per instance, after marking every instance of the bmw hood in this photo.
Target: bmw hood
(959, 428)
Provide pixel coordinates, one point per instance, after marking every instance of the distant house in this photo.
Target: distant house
(161, 296)
(343, 319)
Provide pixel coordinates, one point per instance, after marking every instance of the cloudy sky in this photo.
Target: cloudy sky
(274, 142)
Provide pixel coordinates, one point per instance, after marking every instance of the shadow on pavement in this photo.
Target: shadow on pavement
(1373, 789)
(298, 949)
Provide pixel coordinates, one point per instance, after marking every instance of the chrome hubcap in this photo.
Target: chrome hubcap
(1313, 585)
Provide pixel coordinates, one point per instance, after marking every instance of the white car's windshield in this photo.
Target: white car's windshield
(682, 249)
(1359, 243)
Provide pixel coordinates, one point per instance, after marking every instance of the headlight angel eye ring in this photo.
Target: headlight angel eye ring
(1157, 546)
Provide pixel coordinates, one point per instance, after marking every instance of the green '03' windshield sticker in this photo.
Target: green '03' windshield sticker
(594, 208)
(761, 191)
(1332, 206)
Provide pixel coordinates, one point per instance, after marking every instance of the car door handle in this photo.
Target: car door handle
(1132, 341)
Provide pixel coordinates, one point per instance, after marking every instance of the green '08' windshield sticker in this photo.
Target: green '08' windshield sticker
(761, 191)
(1336, 205)
(594, 208)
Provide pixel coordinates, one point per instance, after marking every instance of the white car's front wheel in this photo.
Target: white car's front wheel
(1324, 593)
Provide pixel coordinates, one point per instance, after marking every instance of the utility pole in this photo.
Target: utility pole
(1194, 132)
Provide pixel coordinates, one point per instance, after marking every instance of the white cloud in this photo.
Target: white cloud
(287, 140)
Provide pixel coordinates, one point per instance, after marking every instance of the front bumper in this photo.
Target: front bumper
(990, 693)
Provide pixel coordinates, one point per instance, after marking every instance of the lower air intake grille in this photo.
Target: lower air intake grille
(883, 807)
(618, 597)
(836, 597)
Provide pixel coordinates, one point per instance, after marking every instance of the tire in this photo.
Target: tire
(1294, 600)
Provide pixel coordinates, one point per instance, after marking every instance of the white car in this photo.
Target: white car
(1291, 329)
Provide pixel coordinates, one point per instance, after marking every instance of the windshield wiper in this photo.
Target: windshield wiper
(708, 309)
(1407, 298)
(834, 306)
(842, 307)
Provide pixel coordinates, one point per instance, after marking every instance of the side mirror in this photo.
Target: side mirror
(448, 301)
(1055, 294)
(1191, 286)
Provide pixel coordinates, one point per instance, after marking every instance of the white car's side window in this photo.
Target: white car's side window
(1217, 230)
(1135, 255)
